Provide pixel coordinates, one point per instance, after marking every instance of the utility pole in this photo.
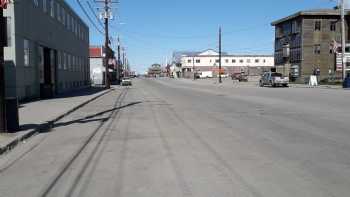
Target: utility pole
(106, 51)
(3, 127)
(119, 61)
(220, 81)
(342, 13)
(193, 68)
(124, 72)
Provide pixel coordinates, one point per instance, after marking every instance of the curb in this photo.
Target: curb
(47, 125)
(319, 87)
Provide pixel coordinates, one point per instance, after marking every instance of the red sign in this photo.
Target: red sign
(3, 3)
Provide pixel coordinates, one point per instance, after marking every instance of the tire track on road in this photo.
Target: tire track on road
(210, 149)
(185, 189)
(74, 157)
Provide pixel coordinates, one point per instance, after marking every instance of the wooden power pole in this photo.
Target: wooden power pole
(220, 80)
(106, 49)
(3, 127)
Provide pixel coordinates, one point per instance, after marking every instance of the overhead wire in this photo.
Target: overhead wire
(89, 18)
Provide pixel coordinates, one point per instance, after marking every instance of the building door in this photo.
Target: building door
(46, 85)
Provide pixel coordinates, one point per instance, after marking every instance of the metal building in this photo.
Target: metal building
(48, 50)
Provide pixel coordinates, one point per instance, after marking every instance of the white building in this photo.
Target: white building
(209, 61)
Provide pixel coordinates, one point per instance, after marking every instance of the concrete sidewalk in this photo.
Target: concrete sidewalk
(40, 115)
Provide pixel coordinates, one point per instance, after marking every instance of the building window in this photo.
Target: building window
(317, 49)
(333, 25)
(26, 51)
(44, 5)
(256, 60)
(189, 61)
(68, 21)
(317, 25)
(59, 60)
(240, 61)
(65, 61)
(36, 3)
(52, 8)
(217, 61)
(226, 61)
(248, 60)
(8, 25)
(233, 61)
(198, 61)
(63, 16)
(58, 12)
(264, 60)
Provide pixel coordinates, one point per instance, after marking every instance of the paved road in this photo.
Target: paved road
(176, 138)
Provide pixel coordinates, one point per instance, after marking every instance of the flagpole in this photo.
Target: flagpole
(343, 38)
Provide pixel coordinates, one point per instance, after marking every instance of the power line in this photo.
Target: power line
(93, 12)
(88, 16)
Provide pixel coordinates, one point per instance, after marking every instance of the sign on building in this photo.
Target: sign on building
(339, 64)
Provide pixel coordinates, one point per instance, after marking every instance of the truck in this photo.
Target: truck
(206, 74)
(273, 79)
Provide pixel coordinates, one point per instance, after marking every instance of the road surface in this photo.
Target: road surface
(173, 138)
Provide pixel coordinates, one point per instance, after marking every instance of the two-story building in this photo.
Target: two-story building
(209, 61)
(48, 49)
(304, 43)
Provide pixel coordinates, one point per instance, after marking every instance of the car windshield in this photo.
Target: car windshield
(276, 75)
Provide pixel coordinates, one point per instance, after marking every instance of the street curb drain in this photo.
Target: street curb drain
(47, 125)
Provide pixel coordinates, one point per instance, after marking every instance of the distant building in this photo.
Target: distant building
(97, 68)
(308, 38)
(155, 70)
(48, 49)
(209, 61)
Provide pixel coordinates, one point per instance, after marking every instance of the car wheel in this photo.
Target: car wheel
(261, 84)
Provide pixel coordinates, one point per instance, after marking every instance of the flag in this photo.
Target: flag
(3, 3)
(334, 46)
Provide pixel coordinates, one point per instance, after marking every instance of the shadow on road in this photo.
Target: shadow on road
(86, 119)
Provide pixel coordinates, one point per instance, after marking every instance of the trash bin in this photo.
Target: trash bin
(12, 114)
(346, 82)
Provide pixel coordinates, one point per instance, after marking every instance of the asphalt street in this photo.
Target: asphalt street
(172, 138)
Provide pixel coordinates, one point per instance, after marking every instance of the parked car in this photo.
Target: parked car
(273, 79)
(126, 82)
(224, 75)
(241, 77)
(206, 74)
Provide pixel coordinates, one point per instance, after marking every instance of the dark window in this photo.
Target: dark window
(189, 61)
(217, 60)
(317, 49)
(317, 25)
(333, 26)
(198, 61)
(226, 60)
(276, 74)
(233, 61)
(241, 61)
(256, 60)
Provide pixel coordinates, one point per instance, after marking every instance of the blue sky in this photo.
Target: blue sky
(151, 30)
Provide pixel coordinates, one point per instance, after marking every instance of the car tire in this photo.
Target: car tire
(261, 84)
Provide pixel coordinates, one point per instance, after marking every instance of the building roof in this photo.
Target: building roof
(232, 55)
(314, 12)
(95, 52)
